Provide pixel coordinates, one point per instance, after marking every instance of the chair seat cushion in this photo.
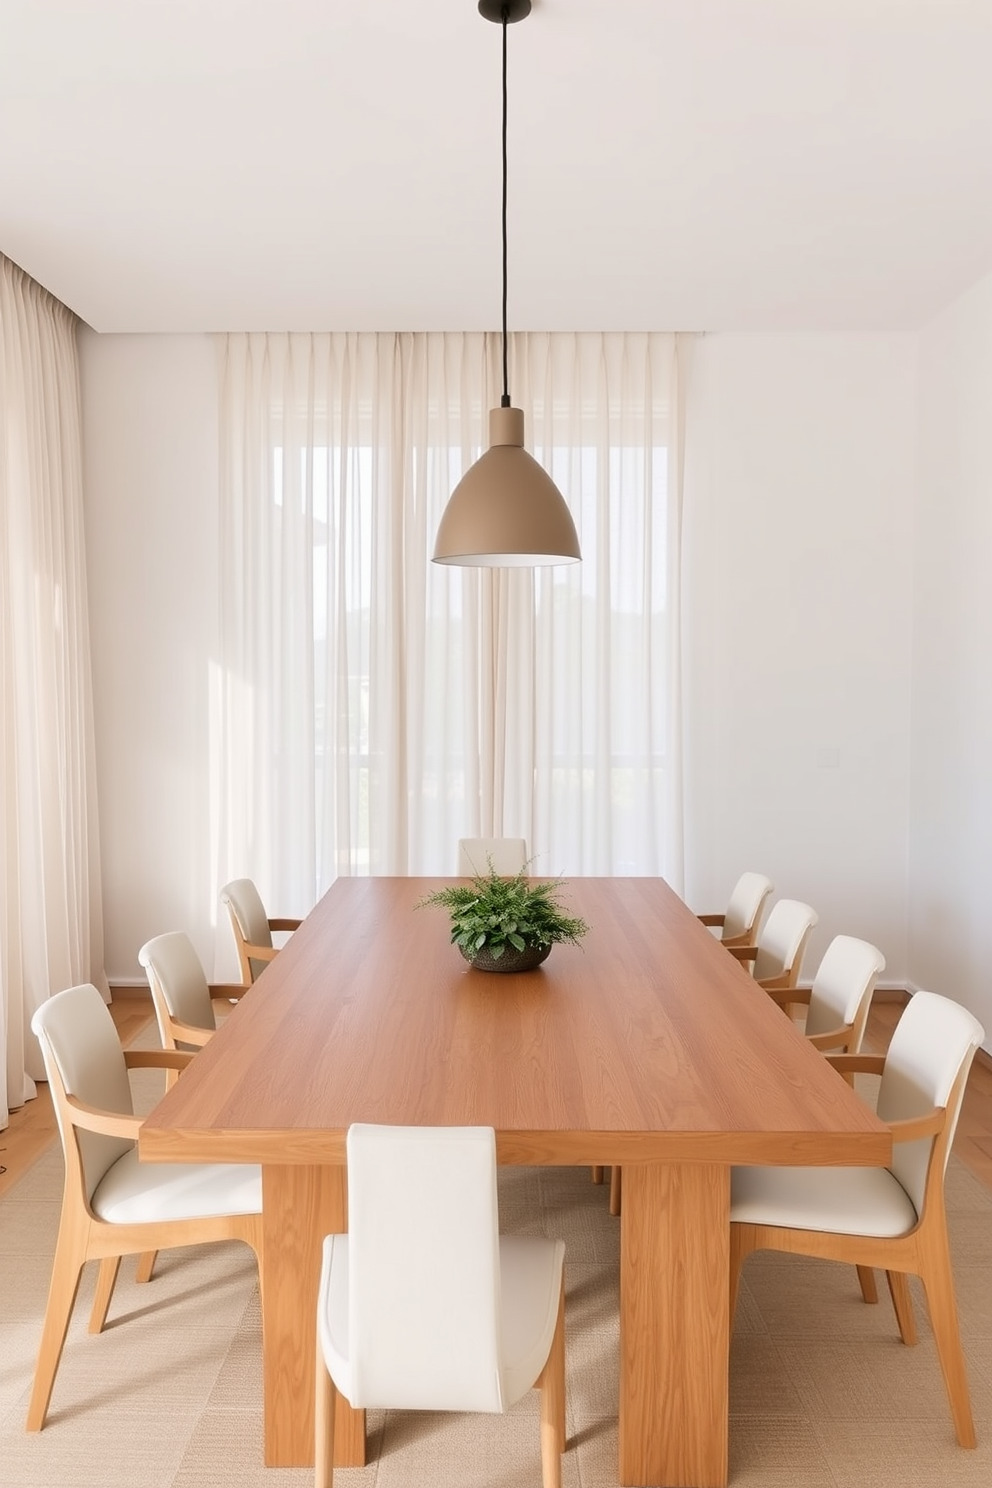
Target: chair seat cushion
(842, 1201)
(133, 1192)
(530, 1285)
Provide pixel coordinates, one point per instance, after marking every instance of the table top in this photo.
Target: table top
(648, 1042)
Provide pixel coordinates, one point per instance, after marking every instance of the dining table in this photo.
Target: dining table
(645, 1045)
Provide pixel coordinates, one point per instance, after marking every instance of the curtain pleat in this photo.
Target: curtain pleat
(51, 919)
(373, 706)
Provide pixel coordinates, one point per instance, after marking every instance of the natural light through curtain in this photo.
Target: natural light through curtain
(51, 917)
(373, 707)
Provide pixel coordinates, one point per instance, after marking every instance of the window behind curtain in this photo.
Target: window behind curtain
(373, 706)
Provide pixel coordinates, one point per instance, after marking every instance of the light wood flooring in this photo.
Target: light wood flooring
(33, 1127)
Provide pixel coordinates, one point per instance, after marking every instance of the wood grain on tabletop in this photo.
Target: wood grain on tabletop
(647, 1040)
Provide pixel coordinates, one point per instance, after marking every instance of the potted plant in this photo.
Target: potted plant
(506, 924)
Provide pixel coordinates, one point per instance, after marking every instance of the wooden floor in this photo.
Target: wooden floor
(33, 1127)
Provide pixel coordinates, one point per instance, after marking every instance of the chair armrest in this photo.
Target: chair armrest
(226, 991)
(157, 1058)
(107, 1123)
(283, 924)
(778, 984)
(915, 1127)
(188, 1033)
(711, 919)
(785, 995)
(831, 1038)
(743, 953)
(260, 953)
(858, 1064)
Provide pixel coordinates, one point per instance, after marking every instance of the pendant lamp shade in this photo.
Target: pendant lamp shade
(506, 511)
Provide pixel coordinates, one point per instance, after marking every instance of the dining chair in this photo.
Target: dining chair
(112, 1204)
(182, 997)
(777, 955)
(507, 855)
(423, 1305)
(738, 925)
(889, 1217)
(837, 1007)
(252, 928)
(838, 1001)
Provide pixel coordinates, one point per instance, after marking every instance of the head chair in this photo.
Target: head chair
(508, 855)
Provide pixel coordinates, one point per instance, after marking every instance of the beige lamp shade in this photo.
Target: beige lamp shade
(506, 511)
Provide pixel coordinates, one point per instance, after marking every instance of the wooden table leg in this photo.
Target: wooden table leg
(674, 1324)
(300, 1205)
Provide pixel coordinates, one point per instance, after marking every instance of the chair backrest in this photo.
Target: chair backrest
(842, 988)
(782, 939)
(744, 910)
(508, 854)
(178, 984)
(927, 1065)
(249, 920)
(423, 1264)
(83, 1057)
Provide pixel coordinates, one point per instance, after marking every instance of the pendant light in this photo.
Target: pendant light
(506, 511)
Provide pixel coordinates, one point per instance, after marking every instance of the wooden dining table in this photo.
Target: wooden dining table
(647, 1046)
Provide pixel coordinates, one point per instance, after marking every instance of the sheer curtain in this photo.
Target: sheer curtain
(51, 917)
(373, 707)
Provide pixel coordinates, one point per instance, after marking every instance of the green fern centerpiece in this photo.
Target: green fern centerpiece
(506, 924)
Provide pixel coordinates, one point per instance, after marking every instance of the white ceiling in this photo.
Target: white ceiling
(179, 165)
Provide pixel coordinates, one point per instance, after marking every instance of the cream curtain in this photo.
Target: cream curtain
(51, 918)
(373, 707)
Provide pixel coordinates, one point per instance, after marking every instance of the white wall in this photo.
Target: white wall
(797, 566)
(951, 798)
(799, 489)
(150, 469)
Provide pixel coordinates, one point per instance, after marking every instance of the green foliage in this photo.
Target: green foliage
(498, 912)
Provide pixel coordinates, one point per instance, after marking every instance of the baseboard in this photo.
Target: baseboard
(119, 991)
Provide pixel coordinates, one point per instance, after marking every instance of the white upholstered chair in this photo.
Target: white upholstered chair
(508, 855)
(112, 1204)
(839, 999)
(738, 926)
(252, 927)
(888, 1217)
(182, 997)
(423, 1305)
(777, 955)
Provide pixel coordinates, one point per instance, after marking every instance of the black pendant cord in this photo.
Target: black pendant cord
(505, 400)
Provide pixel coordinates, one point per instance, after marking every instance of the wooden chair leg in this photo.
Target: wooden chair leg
(866, 1277)
(324, 1401)
(106, 1277)
(938, 1283)
(615, 1186)
(551, 1383)
(597, 1174)
(70, 1254)
(903, 1304)
(146, 1265)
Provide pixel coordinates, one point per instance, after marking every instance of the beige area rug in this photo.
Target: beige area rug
(822, 1393)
